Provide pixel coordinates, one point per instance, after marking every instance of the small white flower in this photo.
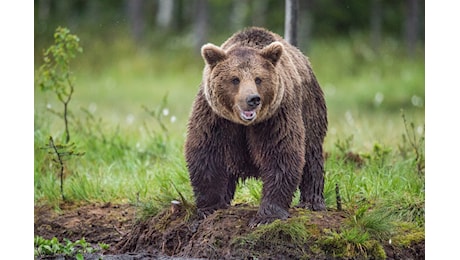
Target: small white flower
(420, 130)
(49, 106)
(165, 112)
(330, 89)
(416, 101)
(349, 118)
(130, 119)
(333, 130)
(378, 99)
(173, 119)
(92, 108)
(389, 241)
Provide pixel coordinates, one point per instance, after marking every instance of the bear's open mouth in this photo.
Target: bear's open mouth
(248, 115)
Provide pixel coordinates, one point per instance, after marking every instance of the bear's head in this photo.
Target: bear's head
(242, 84)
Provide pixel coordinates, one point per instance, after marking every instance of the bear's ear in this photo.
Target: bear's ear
(272, 52)
(212, 54)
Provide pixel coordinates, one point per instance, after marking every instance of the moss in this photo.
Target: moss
(350, 244)
(408, 239)
(279, 238)
(376, 250)
(407, 234)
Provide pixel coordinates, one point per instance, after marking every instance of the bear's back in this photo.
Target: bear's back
(253, 37)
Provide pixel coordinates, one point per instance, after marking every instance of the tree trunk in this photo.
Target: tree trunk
(200, 27)
(165, 13)
(240, 9)
(44, 7)
(306, 24)
(180, 14)
(411, 26)
(291, 21)
(376, 24)
(259, 8)
(136, 18)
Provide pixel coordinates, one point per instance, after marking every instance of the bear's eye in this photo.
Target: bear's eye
(235, 81)
(258, 80)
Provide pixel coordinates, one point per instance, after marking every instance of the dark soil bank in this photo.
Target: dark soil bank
(176, 234)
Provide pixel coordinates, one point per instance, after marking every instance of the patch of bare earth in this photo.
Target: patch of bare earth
(106, 223)
(174, 234)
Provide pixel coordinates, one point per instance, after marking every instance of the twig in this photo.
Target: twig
(118, 230)
(338, 198)
(419, 160)
(61, 163)
(66, 103)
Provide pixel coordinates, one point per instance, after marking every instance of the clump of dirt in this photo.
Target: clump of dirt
(225, 234)
(175, 235)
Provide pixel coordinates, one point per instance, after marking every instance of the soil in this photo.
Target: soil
(177, 234)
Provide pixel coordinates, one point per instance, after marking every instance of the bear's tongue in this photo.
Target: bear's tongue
(248, 115)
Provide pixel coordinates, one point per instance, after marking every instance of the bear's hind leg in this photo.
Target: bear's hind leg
(312, 184)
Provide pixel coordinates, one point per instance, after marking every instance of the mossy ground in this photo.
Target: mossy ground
(226, 234)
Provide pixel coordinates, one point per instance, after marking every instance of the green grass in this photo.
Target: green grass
(130, 109)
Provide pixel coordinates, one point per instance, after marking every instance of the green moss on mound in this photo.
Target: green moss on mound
(407, 235)
(287, 238)
(351, 244)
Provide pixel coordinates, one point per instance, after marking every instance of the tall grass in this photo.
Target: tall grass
(135, 156)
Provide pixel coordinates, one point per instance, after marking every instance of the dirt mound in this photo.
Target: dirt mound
(176, 233)
(226, 234)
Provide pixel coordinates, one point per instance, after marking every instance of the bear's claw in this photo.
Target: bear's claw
(267, 214)
(207, 211)
(257, 221)
(319, 206)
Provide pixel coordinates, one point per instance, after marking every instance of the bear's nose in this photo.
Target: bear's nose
(253, 100)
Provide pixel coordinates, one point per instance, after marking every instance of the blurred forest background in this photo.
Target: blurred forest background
(197, 21)
(367, 55)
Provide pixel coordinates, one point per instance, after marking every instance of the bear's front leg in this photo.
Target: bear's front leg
(280, 164)
(208, 177)
(279, 185)
(205, 158)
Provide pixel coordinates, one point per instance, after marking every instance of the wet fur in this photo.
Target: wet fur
(283, 146)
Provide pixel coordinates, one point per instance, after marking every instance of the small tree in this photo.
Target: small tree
(54, 75)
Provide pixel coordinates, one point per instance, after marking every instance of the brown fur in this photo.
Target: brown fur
(259, 112)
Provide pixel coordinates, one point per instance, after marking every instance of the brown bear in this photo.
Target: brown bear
(261, 113)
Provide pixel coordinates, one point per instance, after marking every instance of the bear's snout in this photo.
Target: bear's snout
(253, 100)
(248, 106)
